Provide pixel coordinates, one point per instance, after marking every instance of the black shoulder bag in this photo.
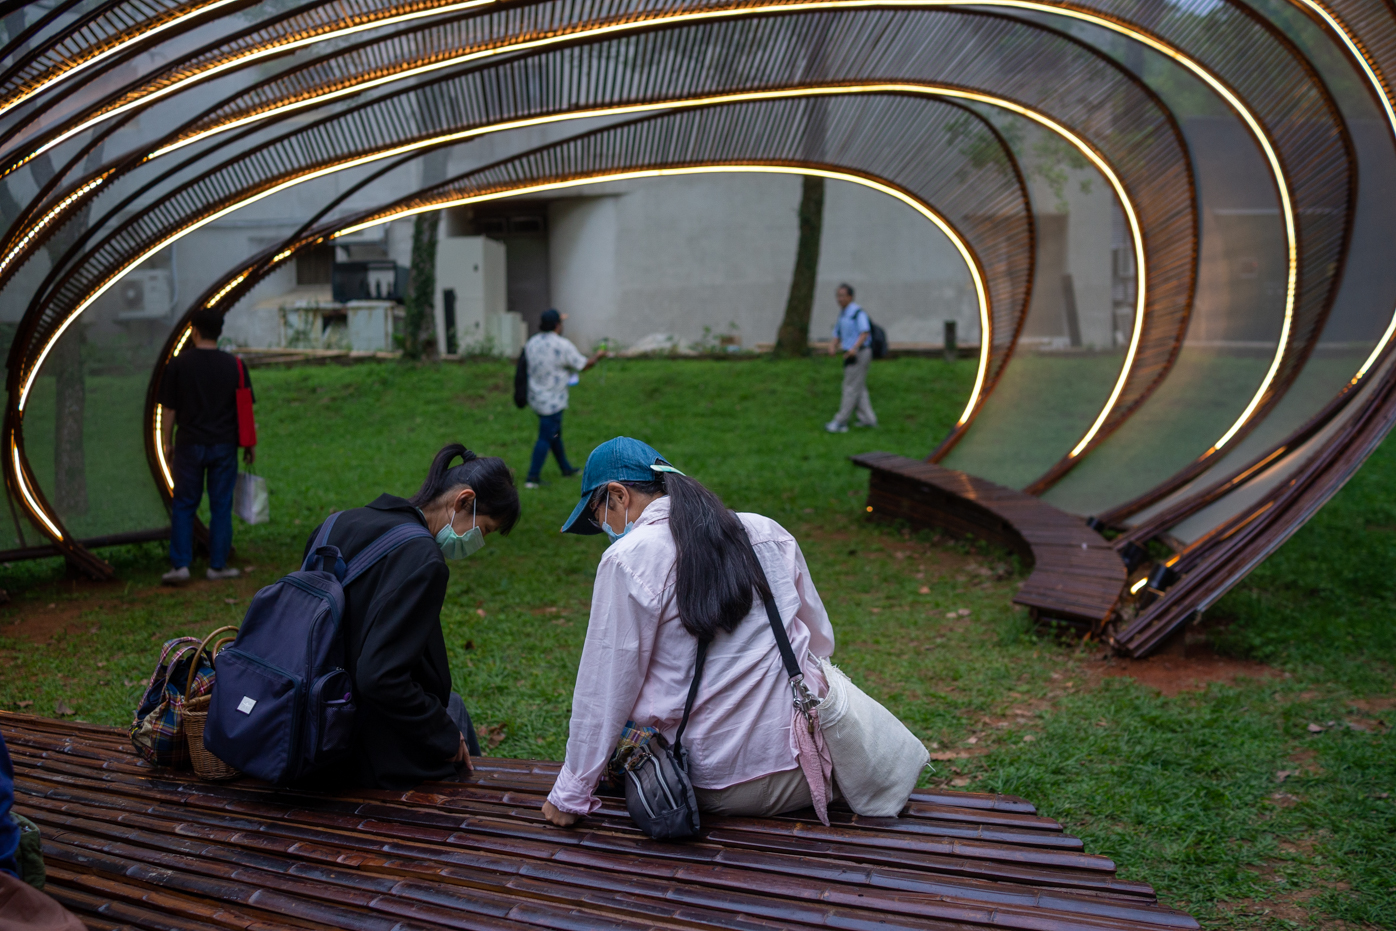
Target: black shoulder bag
(658, 791)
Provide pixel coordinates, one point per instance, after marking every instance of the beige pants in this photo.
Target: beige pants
(760, 798)
(855, 392)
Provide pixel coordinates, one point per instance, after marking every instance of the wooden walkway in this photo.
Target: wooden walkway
(1077, 575)
(128, 846)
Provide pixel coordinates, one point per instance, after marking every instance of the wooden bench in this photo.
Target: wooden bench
(129, 846)
(1077, 575)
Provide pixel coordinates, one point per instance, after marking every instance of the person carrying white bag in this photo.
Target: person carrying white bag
(685, 571)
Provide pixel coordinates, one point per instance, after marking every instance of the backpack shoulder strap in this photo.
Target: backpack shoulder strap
(321, 538)
(381, 547)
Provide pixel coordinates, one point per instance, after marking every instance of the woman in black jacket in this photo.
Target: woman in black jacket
(410, 727)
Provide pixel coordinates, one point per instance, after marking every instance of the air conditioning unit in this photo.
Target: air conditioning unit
(143, 295)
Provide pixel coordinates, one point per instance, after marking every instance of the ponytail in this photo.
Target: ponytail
(715, 570)
(488, 477)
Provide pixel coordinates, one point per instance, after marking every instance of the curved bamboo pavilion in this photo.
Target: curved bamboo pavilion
(128, 126)
(1253, 371)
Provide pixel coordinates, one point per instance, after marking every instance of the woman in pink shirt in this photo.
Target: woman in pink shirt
(679, 569)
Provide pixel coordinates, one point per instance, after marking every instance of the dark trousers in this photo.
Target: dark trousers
(191, 463)
(549, 437)
(456, 709)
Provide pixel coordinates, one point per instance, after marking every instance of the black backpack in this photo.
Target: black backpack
(521, 381)
(283, 704)
(877, 340)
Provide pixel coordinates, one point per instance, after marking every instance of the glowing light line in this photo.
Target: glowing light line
(159, 409)
(1379, 85)
(160, 448)
(6, 106)
(1163, 48)
(223, 292)
(47, 218)
(28, 497)
(253, 55)
(933, 91)
(949, 231)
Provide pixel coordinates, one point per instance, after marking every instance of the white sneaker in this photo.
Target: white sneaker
(834, 426)
(532, 485)
(176, 576)
(214, 575)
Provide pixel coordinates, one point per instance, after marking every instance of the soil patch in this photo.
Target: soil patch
(38, 621)
(1192, 672)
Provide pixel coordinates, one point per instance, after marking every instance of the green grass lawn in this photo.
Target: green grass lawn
(1184, 792)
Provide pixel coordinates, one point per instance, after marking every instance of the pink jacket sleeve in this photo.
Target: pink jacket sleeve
(620, 640)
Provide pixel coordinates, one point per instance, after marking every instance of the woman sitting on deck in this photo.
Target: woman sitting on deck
(410, 726)
(679, 570)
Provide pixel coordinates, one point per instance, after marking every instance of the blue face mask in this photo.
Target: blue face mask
(460, 545)
(606, 526)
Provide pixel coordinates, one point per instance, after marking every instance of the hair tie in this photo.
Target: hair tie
(666, 468)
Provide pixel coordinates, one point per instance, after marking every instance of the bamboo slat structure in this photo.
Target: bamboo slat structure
(1077, 576)
(140, 121)
(128, 845)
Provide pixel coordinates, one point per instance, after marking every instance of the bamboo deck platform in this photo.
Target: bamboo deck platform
(1077, 575)
(129, 846)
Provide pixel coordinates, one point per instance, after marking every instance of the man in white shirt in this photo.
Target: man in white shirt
(552, 362)
(852, 335)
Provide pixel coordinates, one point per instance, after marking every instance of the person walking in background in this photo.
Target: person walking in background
(552, 362)
(198, 395)
(852, 336)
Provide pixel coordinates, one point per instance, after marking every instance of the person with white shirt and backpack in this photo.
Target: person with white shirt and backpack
(552, 363)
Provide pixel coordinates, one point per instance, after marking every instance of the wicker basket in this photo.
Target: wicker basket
(195, 716)
(206, 765)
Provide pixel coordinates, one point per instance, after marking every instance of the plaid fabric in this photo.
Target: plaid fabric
(632, 737)
(157, 731)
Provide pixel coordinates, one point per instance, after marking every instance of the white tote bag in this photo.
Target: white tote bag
(876, 759)
(250, 499)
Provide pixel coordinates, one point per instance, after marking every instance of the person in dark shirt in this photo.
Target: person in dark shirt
(409, 726)
(198, 394)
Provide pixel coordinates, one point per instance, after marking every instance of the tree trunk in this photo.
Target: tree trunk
(69, 458)
(421, 285)
(793, 338)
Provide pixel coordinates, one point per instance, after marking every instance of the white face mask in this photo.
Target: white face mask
(606, 526)
(460, 545)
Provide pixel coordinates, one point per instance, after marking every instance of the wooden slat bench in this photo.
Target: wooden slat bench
(1077, 575)
(129, 846)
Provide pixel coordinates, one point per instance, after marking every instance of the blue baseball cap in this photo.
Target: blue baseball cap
(620, 460)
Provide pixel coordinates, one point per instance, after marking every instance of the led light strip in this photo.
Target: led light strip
(1197, 69)
(159, 433)
(684, 18)
(219, 296)
(926, 90)
(28, 496)
(981, 293)
(916, 205)
(254, 55)
(1360, 56)
(1054, 126)
(47, 218)
(13, 102)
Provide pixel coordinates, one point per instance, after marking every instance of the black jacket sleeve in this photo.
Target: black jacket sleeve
(401, 626)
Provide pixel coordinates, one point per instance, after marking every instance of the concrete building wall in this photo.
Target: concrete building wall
(700, 257)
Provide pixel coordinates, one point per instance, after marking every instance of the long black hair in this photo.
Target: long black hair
(487, 476)
(716, 576)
